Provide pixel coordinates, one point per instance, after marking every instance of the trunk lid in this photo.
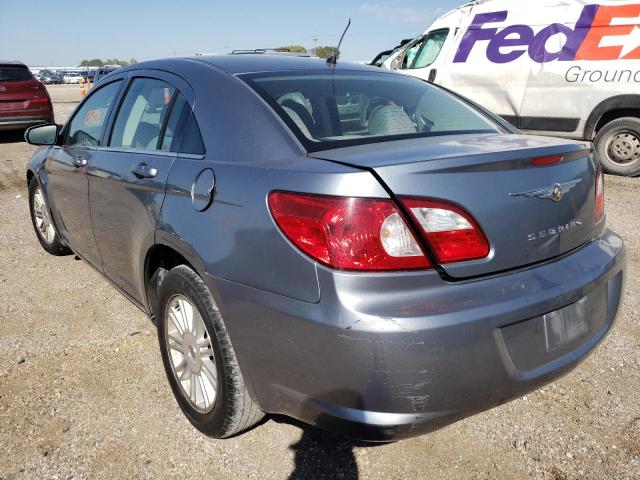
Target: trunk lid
(491, 176)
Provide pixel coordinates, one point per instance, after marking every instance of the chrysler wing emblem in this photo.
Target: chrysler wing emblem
(555, 192)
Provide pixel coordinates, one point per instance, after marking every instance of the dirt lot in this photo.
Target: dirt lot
(83, 393)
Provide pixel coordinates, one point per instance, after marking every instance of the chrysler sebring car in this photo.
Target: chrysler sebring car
(358, 249)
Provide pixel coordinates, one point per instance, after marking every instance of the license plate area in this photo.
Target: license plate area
(567, 324)
(539, 340)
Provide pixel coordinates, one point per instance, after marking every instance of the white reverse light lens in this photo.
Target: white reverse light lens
(435, 220)
(397, 239)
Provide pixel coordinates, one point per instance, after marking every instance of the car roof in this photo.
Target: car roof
(12, 62)
(250, 63)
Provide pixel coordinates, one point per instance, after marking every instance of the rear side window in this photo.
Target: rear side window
(189, 140)
(139, 120)
(87, 125)
(192, 139)
(10, 73)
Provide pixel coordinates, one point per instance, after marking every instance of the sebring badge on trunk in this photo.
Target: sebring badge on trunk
(553, 231)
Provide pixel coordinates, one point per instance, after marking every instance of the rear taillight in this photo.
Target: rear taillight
(546, 160)
(599, 207)
(40, 100)
(451, 232)
(348, 233)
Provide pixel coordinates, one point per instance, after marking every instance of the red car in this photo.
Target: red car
(24, 101)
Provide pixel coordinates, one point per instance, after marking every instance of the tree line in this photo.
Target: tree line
(97, 62)
(321, 52)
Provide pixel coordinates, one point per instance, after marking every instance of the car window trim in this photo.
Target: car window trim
(165, 121)
(191, 156)
(67, 126)
(142, 151)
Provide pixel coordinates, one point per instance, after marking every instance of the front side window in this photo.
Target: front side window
(425, 52)
(332, 109)
(87, 125)
(138, 123)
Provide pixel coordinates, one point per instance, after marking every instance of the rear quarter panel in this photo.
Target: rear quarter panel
(251, 153)
(236, 238)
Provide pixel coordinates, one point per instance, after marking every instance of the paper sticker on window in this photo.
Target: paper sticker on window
(93, 118)
(167, 95)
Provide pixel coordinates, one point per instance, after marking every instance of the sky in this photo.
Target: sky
(63, 32)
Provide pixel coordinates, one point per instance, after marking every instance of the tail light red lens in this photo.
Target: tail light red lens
(599, 207)
(546, 160)
(40, 100)
(348, 233)
(452, 233)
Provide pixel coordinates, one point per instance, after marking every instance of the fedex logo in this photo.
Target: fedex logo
(601, 33)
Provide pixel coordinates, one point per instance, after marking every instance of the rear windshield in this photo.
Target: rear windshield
(333, 109)
(14, 74)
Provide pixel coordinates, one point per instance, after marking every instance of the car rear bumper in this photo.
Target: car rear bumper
(18, 122)
(385, 357)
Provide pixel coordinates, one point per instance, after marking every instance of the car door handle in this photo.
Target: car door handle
(144, 171)
(79, 162)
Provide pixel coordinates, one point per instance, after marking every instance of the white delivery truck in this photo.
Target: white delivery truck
(568, 68)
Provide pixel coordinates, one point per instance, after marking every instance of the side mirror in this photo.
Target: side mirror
(42, 134)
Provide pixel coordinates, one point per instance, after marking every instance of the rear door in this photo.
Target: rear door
(127, 179)
(67, 166)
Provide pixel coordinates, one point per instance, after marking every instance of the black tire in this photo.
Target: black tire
(55, 247)
(618, 146)
(234, 410)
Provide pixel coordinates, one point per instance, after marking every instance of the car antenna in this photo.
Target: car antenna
(333, 59)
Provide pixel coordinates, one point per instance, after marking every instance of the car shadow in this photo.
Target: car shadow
(12, 136)
(321, 454)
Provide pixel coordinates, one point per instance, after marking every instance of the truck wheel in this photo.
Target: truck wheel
(618, 146)
(199, 359)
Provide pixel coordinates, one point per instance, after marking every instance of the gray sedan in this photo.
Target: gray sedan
(354, 248)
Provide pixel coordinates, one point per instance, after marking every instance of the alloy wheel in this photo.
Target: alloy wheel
(191, 355)
(43, 220)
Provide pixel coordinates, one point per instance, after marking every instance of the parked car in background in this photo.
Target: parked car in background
(24, 101)
(49, 77)
(567, 69)
(355, 248)
(73, 77)
(102, 72)
(88, 75)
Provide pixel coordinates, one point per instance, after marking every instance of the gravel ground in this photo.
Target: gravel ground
(83, 393)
